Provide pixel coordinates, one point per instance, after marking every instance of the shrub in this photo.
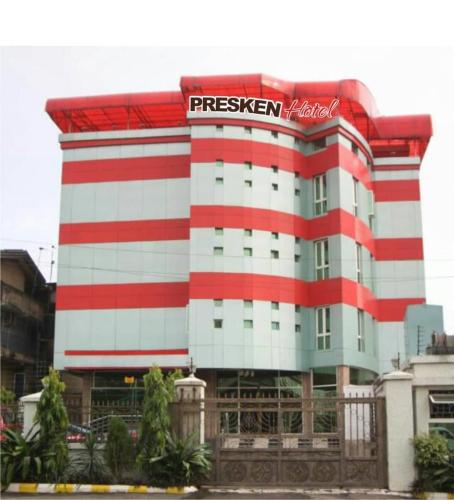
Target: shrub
(119, 449)
(52, 418)
(434, 463)
(23, 458)
(184, 462)
(6, 396)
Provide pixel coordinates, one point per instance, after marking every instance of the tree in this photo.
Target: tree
(52, 418)
(155, 424)
(119, 449)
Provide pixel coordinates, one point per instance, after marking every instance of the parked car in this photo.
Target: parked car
(446, 433)
(76, 433)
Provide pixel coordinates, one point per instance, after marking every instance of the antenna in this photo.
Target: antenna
(52, 261)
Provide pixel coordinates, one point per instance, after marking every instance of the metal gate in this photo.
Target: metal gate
(317, 442)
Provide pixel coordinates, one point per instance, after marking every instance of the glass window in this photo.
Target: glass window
(219, 128)
(275, 306)
(360, 376)
(323, 328)
(274, 254)
(297, 327)
(297, 141)
(275, 187)
(359, 263)
(355, 148)
(297, 192)
(297, 308)
(248, 323)
(361, 341)
(248, 165)
(297, 240)
(319, 143)
(320, 195)
(247, 252)
(274, 169)
(248, 232)
(321, 259)
(218, 250)
(218, 302)
(274, 236)
(274, 134)
(248, 304)
(297, 175)
(297, 258)
(219, 180)
(248, 130)
(275, 325)
(217, 323)
(219, 163)
(355, 196)
(248, 183)
(218, 231)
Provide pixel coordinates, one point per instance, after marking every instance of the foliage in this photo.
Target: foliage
(184, 462)
(23, 458)
(88, 466)
(159, 391)
(6, 396)
(52, 418)
(434, 462)
(119, 449)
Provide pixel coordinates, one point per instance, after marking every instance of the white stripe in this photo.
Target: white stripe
(398, 160)
(125, 134)
(394, 175)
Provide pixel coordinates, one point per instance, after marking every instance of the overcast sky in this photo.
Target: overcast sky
(403, 81)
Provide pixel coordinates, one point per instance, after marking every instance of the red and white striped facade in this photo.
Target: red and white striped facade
(165, 213)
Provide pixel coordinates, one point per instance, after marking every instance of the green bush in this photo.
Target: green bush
(434, 462)
(23, 458)
(184, 462)
(119, 450)
(6, 396)
(52, 418)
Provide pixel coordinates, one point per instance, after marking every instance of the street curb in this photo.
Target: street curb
(435, 496)
(95, 488)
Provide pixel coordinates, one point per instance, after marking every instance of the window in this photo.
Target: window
(319, 143)
(275, 325)
(355, 148)
(359, 263)
(248, 130)
(219, 180)
(321, 259)
(219, 128)
(248, 232)
(297, 192)
(297, 175)
(274, 254)
(247, 251)
(248, 323)
(218, 250)
(323, 328)
(217, 323)
(248, 165)
(297, 327)
(320, 195)
(274, 134)
(218, 231)
(297, 258)
(355, 197)
(297, 308)
(274, 236)
(275, 187)
(275, 306)
(247, 304)
(297, 141)
(297, 240)
(248, 183)
(371, 201)
(218, 302)
(274, 169)
(219, 163)
(361, 341)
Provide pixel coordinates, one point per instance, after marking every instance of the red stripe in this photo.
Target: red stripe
(406, 190)
(399, 249)
(266, 155)
(134, 352)
(394, 309)
(121, 368)
(126, 169)
(87, 143)
(122, 296)
(336, 221)
(396, 167)
(137, 230)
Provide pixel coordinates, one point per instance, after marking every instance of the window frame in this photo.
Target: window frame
(361, 341)
(322, 267)
(320, 194)
(323, 331)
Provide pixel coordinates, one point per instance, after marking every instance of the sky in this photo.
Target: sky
(410, 80)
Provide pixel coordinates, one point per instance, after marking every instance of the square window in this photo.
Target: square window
(217, 323)
(218, 250)
(247, 304)
(248, 232)
(297, 258)
(248, 183)
(297, 175)
(219, 128)
(219, 180)
(219, 163)
(248, 130)
(275, 325)
(355, 148)
(274, 169)
(248, 165)
(275, 306)
(297, 240)
(247, 252)
(248, 323)
(275, 187)
(319, 143)
(297, 328)
(274, 236)
(218, 302)
(297, 308)
(218, 231)
(274, 134)
(297, 141)
(297, 192)
(274, 254)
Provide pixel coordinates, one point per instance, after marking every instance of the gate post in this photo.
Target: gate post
(191, 402)
(397, 389)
